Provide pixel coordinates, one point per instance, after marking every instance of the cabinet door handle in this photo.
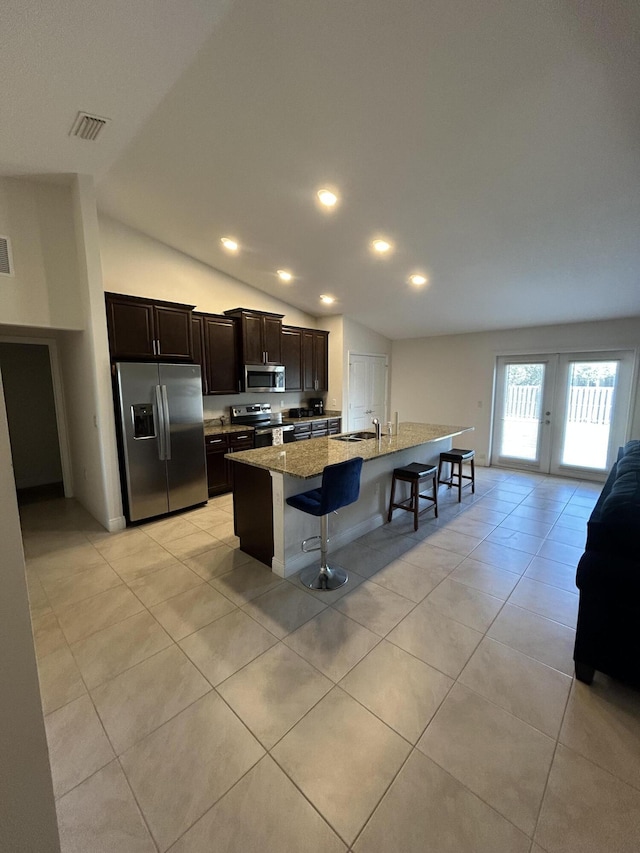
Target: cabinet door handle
(153, 345)
(158, 346)
(215, 441)
(239, 386)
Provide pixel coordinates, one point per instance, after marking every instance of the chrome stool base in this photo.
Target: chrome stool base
(328, 578)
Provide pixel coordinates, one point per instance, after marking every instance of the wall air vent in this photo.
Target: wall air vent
(87, 126)
(6, 258)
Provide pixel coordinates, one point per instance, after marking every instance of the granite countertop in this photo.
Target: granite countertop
(307, 459)
(212, 427)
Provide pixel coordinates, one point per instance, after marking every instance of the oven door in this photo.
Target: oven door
(262, 438)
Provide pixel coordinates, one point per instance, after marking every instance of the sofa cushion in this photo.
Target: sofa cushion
(622, 504)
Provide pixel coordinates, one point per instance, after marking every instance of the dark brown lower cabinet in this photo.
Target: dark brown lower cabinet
(218, 479)
(219, 469)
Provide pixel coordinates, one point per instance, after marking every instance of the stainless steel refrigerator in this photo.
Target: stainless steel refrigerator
(162, 437)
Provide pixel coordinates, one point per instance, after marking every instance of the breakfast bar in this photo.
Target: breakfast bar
(272, 532)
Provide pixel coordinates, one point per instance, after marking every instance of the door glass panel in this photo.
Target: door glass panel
(587, 428)
(522, 408)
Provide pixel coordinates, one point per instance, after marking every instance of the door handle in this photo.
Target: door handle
(162, 434)
(167, 423)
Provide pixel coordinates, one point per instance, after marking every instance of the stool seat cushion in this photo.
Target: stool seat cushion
(340, 487)
(414, 471)
(456, 453)
(309, 502)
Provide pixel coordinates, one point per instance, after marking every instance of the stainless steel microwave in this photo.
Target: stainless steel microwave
(263, 378)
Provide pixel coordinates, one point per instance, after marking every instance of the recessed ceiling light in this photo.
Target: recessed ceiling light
(327, 198)
(381, 246)
(284, 275)
(230, 244)
(327, 299)
(418, 279)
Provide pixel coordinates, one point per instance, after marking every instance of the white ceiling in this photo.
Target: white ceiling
(497, 143)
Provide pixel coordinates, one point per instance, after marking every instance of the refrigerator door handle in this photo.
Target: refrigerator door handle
(167, 423)
(162, 428)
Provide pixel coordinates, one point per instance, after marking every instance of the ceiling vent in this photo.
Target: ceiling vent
(6, 259)
(88, 127)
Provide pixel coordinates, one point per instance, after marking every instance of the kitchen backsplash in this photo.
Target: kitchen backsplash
(215, 406)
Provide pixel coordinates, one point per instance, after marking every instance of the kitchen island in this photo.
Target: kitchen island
(272, 532)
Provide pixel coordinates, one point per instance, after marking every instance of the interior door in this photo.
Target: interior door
(563, 414)
(367, 390)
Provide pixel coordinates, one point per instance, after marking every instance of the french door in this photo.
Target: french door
(562, 413)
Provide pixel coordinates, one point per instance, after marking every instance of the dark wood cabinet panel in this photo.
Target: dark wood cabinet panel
(148, 329)
(221, 354)
(291, 345)
(260, 336)
(252, 339)
(219, 469)
(321, 360)
(173, 332)
(315, 359)
(131, 330)
(197, 333)
(218, 479)
(273, 340)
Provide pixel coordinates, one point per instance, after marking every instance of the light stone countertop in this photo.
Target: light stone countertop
(212, 427)
(307, 459)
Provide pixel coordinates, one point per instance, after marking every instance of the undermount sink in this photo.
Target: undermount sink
(355, 436)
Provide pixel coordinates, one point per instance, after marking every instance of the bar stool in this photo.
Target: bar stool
(340, 487)
(414, 473)
(457, 457)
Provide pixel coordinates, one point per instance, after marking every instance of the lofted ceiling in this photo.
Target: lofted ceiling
(495, 143)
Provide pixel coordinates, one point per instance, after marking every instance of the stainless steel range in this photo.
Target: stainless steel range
(260, 416)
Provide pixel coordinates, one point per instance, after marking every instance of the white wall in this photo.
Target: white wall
(31, 413)
(87, 376)
(449, 379)
(37, 217)
(27, 810)
(138, 265)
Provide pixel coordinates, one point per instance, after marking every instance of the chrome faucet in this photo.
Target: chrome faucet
(378, 428)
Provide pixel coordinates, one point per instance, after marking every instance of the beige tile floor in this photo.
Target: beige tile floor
(195, 702)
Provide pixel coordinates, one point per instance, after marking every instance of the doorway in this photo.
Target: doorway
(32, 391)
(562, 413)
(367, 389)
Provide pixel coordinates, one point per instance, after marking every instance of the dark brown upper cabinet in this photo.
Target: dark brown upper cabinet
(260, 336)
(292, 357)
(221, 354)
(197, 321)
(217, 353)
(315, 360)
(149, 329)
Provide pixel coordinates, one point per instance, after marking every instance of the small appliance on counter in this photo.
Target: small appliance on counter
(316, 404)
(299, 413)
